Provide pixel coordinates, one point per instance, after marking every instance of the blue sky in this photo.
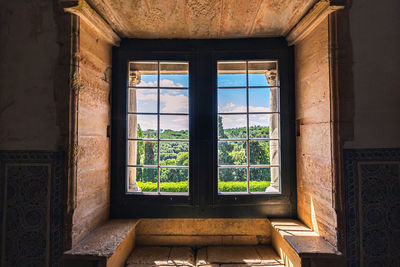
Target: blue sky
(229, 100)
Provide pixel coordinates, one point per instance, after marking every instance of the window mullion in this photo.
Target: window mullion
(248, 128)
(158, 127)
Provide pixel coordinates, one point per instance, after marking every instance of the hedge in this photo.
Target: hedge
(255, 186)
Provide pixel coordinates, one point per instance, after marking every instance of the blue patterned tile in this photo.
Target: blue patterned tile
(34, 207)
(372, 182)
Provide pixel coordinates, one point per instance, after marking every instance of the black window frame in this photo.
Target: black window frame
(203, 200)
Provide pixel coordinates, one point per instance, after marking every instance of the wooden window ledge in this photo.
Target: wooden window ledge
(108, 245)
(298, 245)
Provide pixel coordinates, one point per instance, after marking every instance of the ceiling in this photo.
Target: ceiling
(201, 19)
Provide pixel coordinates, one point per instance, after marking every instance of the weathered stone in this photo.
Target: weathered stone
(109, 245)
(178, 240)
(296, 243)
(315, 181)
(150, 255)
(181, 256)
(242, 240)
(93, 150)
(105, 240)
(204, 227)
(233, 254)
(201, 19)
(237, 256)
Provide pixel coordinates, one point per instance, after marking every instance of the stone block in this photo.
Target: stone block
(181, 256)
(161, 256)
(91, 41)
(109, 245)
(204, 227)
(149, 255)
(178, 240)
(233, 254)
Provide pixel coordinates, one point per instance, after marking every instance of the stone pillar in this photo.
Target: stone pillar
(134, 78)
(271, 76)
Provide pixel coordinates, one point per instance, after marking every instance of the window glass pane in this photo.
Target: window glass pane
(174, 101)
(232, 153)
(232, 126)
(232, 100)
(174, 153)
(174, 127)
(166, 92)
(231, 180)
(142, 153)
(146, 179)
(174, 74)
(264, 125)
(261, 89)
(143, 74)
(142, 126)
(261, 179)
(142, 100)
(274, 152)
(174, 180)
(263, 73)
(231, 73)
(260, 100)
(259, 152)
(264, 152)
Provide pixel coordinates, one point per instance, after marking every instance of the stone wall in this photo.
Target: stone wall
(313, 142)
(93, 153)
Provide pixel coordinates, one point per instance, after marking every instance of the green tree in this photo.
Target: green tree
(221, 131)
(183, 159)
(149, 153)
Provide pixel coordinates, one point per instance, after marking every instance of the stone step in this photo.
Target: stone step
(213, 256)
(203, 232)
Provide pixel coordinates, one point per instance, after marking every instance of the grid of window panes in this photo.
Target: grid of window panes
(158, 127)
(248, 127)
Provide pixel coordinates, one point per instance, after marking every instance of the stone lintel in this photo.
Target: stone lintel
(312, 19)
(84, 11)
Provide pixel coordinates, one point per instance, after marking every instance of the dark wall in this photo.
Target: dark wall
(28, 56)
(33, 131)
(372, 153)
(375, 37)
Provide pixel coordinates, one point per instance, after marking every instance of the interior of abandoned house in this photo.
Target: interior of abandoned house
(88, 103)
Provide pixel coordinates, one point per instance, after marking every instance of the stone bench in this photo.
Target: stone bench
(109, 245)
(298, 245)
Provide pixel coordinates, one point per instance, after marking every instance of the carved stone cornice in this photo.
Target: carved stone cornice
(83, 10)
(312, 19)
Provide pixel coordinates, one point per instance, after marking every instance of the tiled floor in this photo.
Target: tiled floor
(214, 256)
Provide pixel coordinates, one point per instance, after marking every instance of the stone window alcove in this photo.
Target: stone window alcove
(318, 175)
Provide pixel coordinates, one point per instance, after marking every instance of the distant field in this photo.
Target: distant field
(255, 186)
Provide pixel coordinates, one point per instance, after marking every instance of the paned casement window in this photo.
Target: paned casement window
(203, 128)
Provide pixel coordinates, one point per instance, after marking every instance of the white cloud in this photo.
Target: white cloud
(147, 122)
(171, 101)
(145, 95)
(147, 84)
(163, 83)
(230, 107)
(176, 123)
(235, 121)
(169, 83)
(174, 102)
